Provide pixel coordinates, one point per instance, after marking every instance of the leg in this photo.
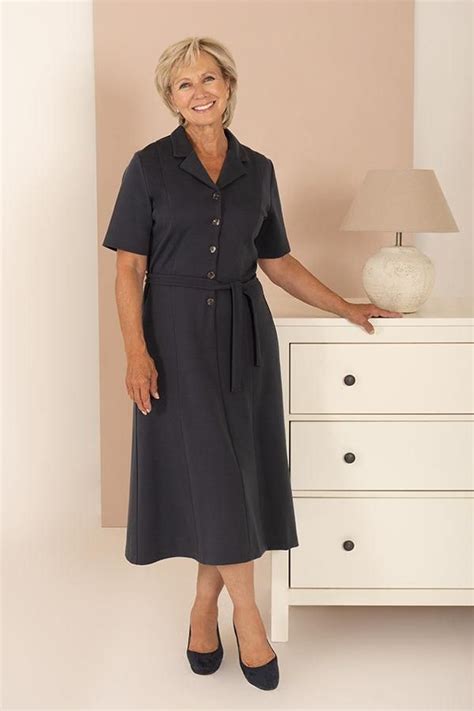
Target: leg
(204, 612)
(239, 581)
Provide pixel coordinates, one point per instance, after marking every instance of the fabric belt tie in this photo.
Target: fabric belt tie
(251, 288)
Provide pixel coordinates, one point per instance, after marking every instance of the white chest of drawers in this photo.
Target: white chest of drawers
(380, 436)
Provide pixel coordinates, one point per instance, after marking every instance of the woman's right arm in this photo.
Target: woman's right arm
(142, 376)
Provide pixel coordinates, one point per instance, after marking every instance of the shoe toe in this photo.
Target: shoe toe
(205, 662)
(264, 677)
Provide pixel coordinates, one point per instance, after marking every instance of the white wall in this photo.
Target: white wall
(443, 133)
(51, 485)
(50, 268)
(81, 628)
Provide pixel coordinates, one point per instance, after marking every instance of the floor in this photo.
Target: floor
(83, 628)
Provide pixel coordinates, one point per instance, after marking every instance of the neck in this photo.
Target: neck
(208, 140)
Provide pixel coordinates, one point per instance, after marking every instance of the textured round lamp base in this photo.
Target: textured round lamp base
(398, 278)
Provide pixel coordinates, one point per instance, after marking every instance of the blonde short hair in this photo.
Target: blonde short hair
(184, 53)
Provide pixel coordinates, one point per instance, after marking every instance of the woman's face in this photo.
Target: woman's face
(200, 84)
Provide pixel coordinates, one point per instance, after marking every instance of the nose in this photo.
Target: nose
(200, 90)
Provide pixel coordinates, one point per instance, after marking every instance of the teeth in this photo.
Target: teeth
(203, 108)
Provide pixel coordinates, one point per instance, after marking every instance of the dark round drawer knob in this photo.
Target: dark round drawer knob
(349, 379)
(349, 457)
(348, 545)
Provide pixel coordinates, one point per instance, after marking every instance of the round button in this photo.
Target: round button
(210, 301)
(215, 196)
(211, 275)
(212, 248)
(216, 221)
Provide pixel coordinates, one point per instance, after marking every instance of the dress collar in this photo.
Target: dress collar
(232, 168)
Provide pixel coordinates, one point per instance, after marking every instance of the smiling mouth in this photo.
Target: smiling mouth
(205, 107)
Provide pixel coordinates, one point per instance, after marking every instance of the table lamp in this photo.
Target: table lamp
(399, 278)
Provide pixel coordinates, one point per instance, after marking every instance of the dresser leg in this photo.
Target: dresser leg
(279, 597)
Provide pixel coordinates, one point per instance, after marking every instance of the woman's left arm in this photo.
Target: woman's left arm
(289, 274)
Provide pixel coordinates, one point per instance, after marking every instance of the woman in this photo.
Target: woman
(196, 211)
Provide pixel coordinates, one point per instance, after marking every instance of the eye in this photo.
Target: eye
(186, 82)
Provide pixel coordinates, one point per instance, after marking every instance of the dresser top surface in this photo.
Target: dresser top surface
(435, 311)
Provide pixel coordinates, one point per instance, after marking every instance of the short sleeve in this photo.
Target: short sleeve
(130, 225)
(272, 240)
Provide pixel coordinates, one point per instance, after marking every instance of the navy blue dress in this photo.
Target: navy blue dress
(209, 469)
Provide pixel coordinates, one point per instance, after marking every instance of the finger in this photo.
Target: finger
(137, 396)
(383, 313)
(145, 396)
(368, 327)
(130, 391)
(154, 385)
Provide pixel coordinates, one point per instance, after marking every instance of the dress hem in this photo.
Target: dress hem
(199, 559)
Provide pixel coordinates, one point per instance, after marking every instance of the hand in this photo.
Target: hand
(141, 380)
(359, 313)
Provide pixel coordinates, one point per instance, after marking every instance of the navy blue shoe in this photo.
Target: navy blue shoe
(205, 662)
(265, 676)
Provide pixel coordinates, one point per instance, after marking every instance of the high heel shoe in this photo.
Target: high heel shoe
(266, 676)
(205, 662)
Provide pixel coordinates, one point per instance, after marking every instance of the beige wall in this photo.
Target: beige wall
(325, 91)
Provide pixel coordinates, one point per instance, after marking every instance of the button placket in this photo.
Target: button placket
(211, 274)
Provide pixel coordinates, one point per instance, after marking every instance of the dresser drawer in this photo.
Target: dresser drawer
(380, 455)
(401, 542)
(387, 378)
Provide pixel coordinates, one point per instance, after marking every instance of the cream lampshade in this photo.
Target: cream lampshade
(399, 278)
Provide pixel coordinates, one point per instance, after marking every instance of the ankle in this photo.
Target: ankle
(245, 609)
